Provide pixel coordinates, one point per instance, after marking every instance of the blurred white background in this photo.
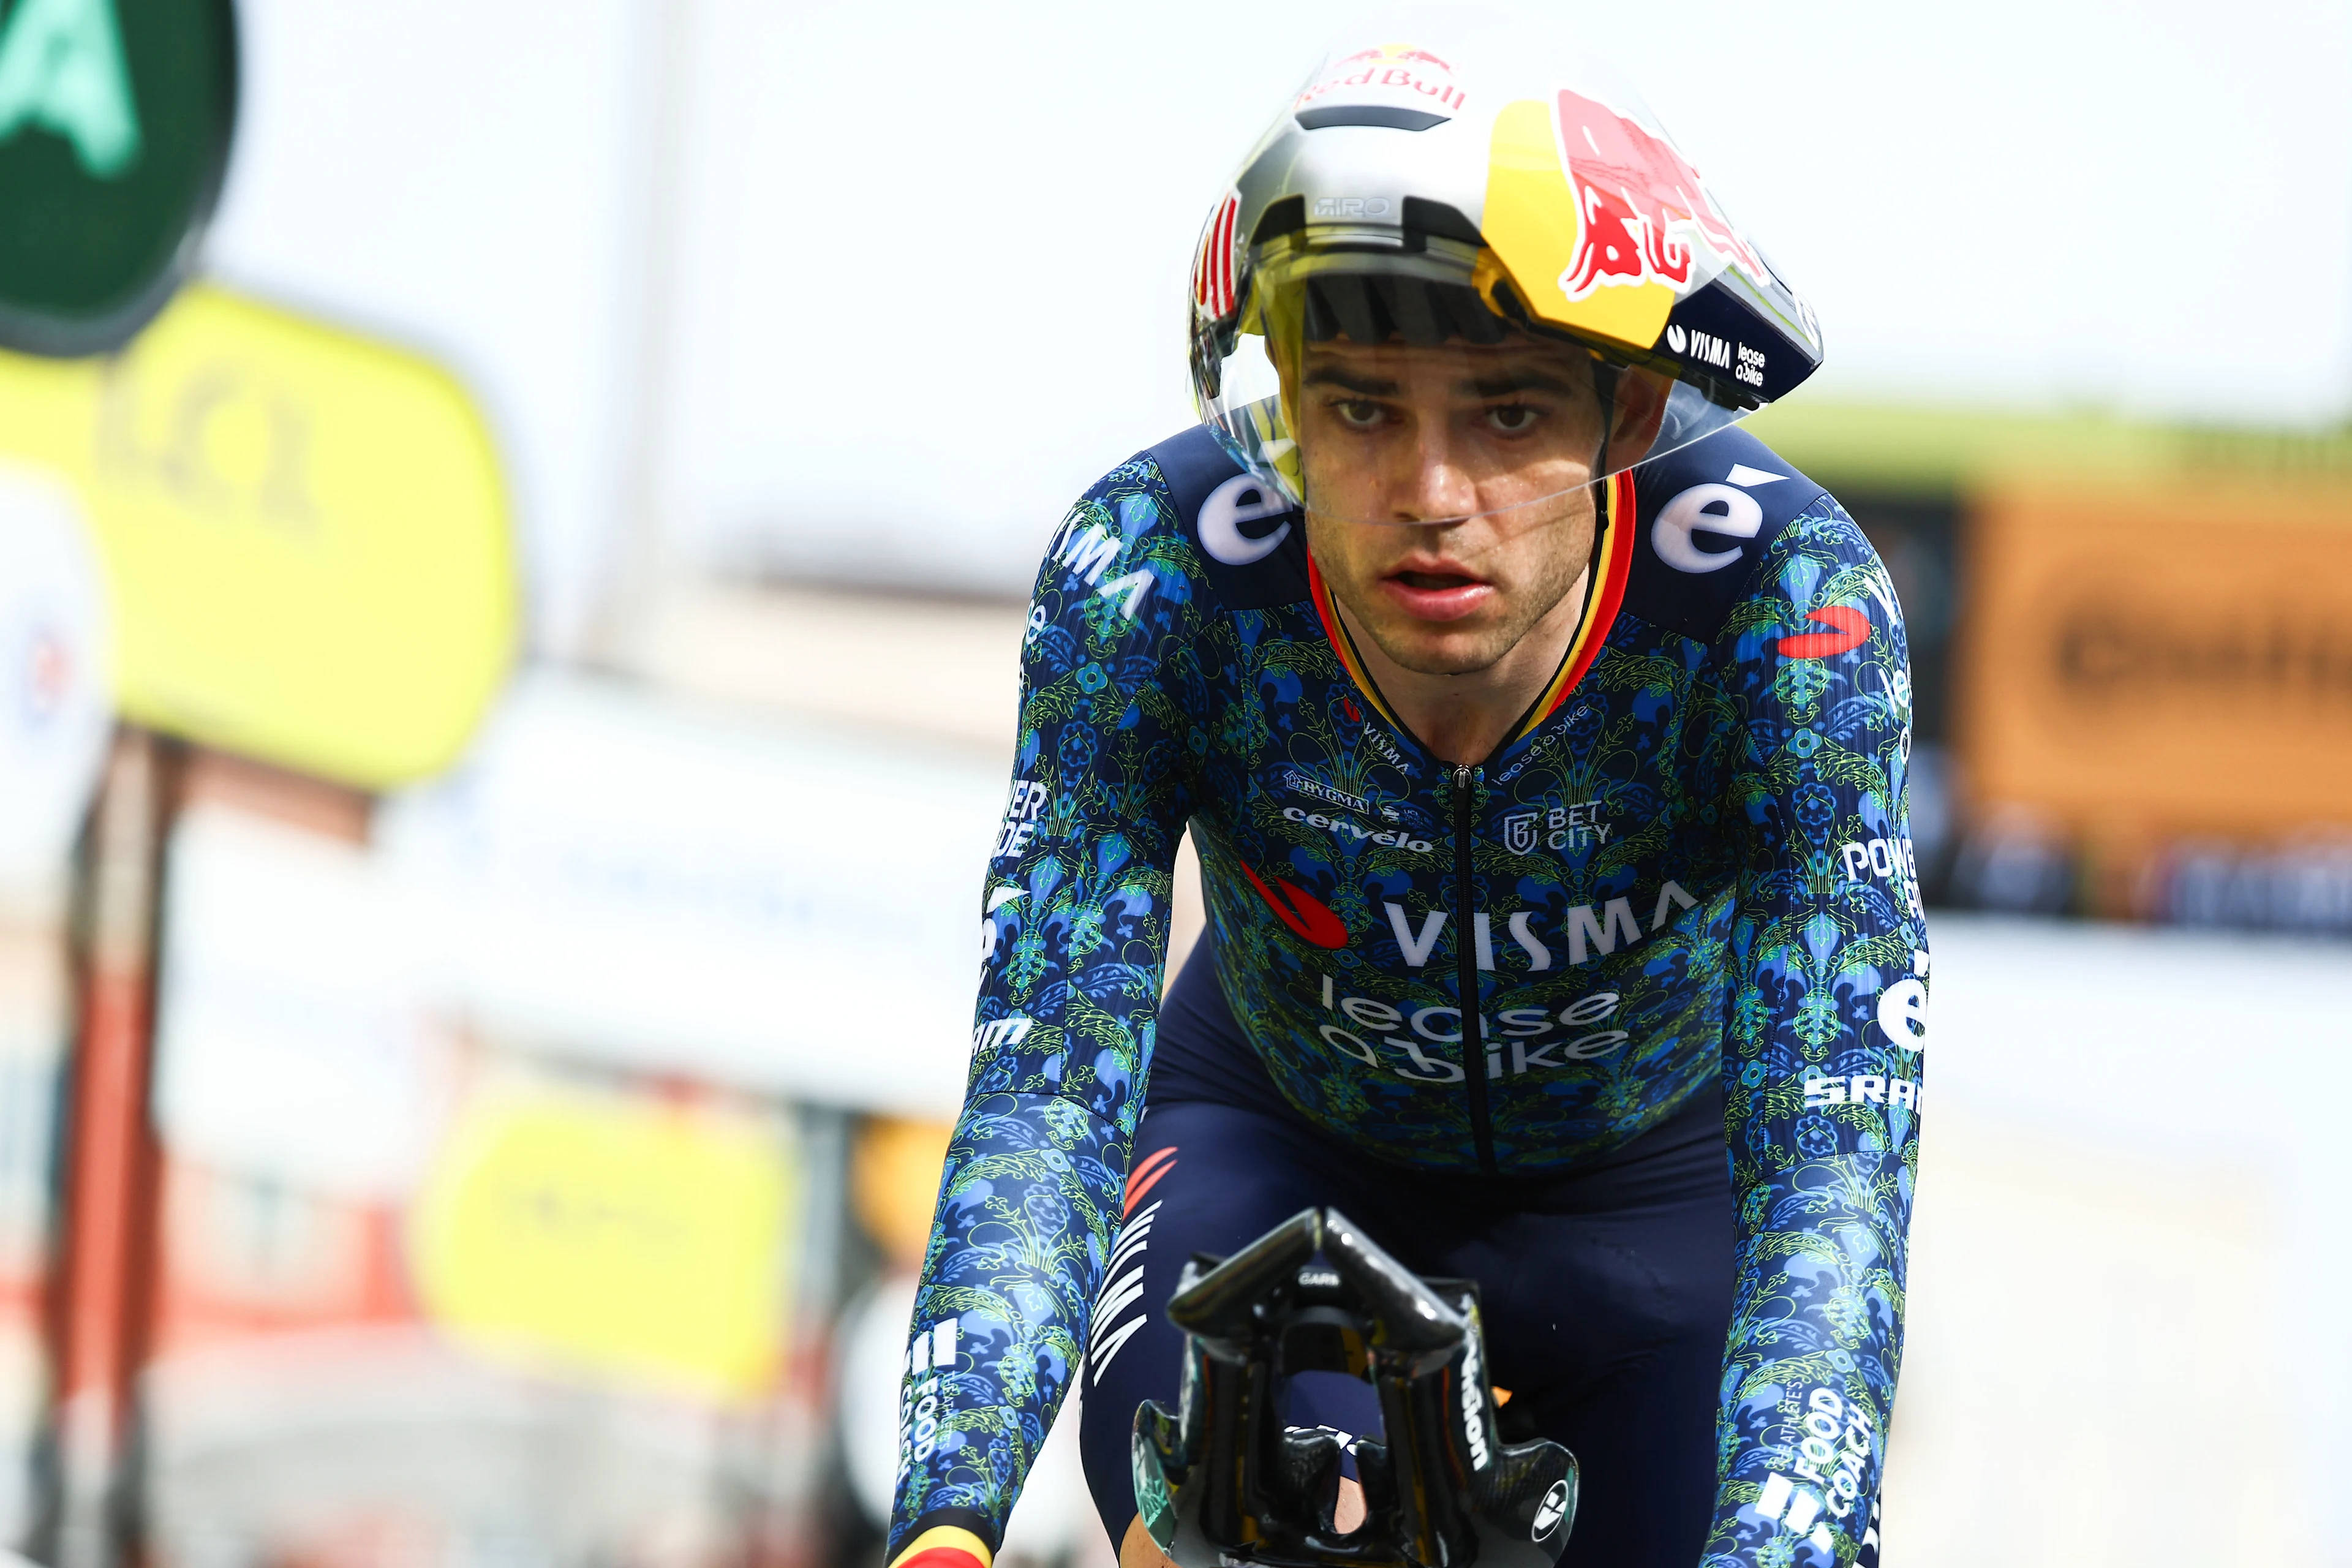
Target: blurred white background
(869, 293)
(873, 291)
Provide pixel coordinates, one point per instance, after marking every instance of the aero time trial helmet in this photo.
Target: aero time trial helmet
(1468, 183)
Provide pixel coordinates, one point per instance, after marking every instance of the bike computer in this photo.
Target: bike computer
(1225, 1483)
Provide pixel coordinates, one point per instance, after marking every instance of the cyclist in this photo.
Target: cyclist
(1543, 736)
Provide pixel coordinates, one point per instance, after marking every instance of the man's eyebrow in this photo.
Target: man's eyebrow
(1503, 386)
(1349, 381)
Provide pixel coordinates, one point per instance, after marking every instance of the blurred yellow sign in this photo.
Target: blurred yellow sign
(624, 1237)
(305, 532)
(894, 1183)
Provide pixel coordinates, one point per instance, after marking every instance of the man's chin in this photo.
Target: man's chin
(1432, 648)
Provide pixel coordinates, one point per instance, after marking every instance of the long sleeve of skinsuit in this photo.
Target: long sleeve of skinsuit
(1822, 1048)
(1074, 942)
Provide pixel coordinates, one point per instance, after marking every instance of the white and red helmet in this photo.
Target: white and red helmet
(1458, 180)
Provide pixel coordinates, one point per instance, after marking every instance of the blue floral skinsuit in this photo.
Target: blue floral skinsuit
(1689, 862)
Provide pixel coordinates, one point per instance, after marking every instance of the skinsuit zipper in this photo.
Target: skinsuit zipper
(1465, 954)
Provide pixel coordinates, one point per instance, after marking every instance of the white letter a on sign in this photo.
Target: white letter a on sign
(61, 70)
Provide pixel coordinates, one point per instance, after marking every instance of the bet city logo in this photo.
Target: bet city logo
(1577, 827)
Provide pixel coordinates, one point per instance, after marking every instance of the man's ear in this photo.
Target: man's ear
(1641, 409)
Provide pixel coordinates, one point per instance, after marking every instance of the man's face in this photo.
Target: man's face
(1391, 436)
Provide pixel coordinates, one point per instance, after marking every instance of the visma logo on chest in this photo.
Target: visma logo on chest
(1589, 929)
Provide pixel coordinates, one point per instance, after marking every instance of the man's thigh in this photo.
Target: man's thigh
(1206, 1177)
(1608, 1329)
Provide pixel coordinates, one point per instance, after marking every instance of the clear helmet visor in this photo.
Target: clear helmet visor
(1392, 392)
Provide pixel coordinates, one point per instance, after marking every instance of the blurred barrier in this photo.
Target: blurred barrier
(2303, 884)
(303, 546)
(2129, 1252)
(782, 905)
(502, 1139)
(496, 1148)
(424, 1298)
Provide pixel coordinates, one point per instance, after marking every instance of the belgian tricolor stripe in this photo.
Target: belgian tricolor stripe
(1609, 574)
(1342, 644)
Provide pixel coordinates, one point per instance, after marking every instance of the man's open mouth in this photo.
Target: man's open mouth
(1441, 594)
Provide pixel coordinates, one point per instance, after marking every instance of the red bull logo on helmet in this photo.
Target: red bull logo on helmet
(1391, 73)
(1214, 283)
(1642, 206)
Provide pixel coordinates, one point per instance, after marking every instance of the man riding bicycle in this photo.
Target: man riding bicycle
(1543, 737)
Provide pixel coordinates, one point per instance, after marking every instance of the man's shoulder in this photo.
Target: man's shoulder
(1705, 519)
(1168, 540)
(1251, 543)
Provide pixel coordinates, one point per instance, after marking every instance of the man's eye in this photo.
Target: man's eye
(1513, 419)
(1357, 413)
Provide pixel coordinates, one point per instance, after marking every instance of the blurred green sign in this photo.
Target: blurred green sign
(115, 117)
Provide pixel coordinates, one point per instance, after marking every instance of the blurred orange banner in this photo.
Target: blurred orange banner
(2149, 662)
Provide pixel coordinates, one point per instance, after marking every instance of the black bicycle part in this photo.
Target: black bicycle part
(1224, 1483)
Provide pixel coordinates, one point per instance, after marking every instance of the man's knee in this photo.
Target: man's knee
(1138, 1550)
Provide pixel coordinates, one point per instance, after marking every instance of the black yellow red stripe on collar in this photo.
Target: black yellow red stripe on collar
(1342, 644)
(1616, 563)
(1613, 568)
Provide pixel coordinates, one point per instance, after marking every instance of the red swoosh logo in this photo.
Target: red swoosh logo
(1300, 910)
(1853, 631)
(1145, 1177)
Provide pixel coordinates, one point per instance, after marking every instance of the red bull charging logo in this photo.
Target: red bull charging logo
(1639, 205)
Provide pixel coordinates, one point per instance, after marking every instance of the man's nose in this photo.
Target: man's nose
(1440, 488)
